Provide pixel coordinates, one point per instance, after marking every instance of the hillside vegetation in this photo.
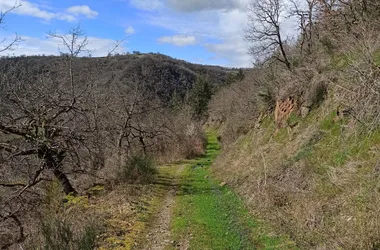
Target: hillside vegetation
(160, 74)
(90, 126)
(300, 134)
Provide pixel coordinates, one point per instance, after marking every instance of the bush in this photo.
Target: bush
(194, 142)
(139, 169)
(59, 235)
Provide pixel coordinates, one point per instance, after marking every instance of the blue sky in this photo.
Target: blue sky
(199, 31)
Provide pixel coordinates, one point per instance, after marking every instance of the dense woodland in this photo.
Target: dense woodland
(310, 169)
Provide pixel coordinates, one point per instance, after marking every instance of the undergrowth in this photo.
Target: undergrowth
(139, 169)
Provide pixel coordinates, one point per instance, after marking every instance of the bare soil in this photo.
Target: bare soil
(159, 236)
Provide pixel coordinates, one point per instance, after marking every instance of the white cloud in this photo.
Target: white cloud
(82, 10)
(204, 5)
(219, 32)
(216, 25)
(28, 8)
(51, 46)
(178, 40)
(232, 46)
(130, 30)
(149, 5)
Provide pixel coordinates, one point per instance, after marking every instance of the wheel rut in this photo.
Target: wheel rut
(159, 236)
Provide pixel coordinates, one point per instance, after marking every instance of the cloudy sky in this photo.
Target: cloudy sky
(199, 31)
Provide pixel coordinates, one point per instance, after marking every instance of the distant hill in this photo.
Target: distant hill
(158, 73)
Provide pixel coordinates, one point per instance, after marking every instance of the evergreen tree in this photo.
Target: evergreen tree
(199, 97)
(240, 75)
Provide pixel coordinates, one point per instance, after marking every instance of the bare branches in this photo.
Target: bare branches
(306, 17)
(74, 42)
(264, 31)
(12, 130)
(4, 44)
(51, 122)
(11, 45)
(116, 46)
(13, 184)
(4, 13)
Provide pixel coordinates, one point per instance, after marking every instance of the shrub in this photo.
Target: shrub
(59, 235)
(194, 142)
(139, 169)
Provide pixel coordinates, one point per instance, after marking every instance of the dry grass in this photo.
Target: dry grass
(318, 182)
(113, 215)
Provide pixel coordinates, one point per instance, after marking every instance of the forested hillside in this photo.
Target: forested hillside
(161, 75)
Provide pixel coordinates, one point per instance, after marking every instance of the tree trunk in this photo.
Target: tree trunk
(53, 160)
(66, 185)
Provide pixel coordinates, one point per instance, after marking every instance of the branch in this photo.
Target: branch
(8, 147)
(10, 45)
(17, 38)
(12, 130)
(117, 45)
(13, 184)
(3, 14)
(25, 152)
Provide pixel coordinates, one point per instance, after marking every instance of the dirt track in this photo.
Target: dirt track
(158, 237)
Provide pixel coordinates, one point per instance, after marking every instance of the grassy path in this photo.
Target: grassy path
(205, 214)
(210, 216)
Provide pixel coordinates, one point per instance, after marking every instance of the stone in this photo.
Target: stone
(305, 111)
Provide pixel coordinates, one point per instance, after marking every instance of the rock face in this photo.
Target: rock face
(283, 110)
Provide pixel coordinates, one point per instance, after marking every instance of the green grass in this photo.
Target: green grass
(213, 215)
(332, 147)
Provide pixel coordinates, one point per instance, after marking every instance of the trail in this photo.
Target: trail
(159, 235)
(198, 212)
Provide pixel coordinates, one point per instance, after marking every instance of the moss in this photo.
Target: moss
(96, 190)
(76, 200)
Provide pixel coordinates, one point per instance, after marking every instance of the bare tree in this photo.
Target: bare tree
(46, 117)
(6, 45)
(306, 16)
(264, 31)
(50, 128)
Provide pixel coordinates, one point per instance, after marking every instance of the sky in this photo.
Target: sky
(198, 31)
